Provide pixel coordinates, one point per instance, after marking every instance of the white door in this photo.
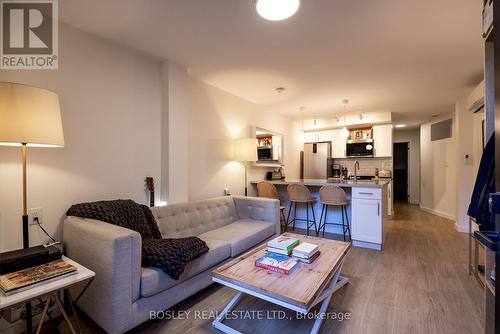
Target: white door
(367, 220)
(338, 144)
(389, 198)
(382, 140)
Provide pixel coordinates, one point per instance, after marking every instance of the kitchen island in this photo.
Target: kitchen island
(367, 209)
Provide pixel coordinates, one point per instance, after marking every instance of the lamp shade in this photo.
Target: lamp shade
(29, 115)
(245, 149)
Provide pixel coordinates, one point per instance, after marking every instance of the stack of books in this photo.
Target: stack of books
(282, 245)
(306, 252)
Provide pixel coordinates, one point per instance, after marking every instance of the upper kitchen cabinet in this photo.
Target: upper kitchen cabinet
(318, 136)
(310, 137)
(382, 139)
(324, 136)
(338, 144)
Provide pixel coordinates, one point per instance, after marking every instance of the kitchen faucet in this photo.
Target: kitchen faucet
(356, 167)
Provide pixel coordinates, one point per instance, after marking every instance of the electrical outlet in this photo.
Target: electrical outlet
(35, 212)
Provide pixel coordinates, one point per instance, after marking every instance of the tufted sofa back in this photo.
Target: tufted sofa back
(194, 218)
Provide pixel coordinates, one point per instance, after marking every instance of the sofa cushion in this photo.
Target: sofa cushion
(242, 234)
(193, 218)
(154, 280)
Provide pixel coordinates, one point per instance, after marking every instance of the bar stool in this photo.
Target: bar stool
(333, 196)
(268, 190)
(298, 193)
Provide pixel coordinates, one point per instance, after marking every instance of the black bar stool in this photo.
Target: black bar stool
(297, 194)
(334, 196)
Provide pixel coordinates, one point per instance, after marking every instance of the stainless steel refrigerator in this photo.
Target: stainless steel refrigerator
(316, 159)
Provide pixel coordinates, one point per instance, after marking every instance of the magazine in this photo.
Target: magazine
(276, 262)
(27, 278)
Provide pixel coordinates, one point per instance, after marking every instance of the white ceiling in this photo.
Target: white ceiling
(414, 58)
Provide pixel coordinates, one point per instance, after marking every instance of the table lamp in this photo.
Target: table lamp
(245, 150)
(29, 117)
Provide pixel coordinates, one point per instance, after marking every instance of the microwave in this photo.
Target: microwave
(264, 153)
(359, 148)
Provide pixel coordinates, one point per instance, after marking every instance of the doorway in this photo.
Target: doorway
(400, 167)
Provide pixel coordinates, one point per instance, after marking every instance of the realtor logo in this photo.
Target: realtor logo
(29, 34)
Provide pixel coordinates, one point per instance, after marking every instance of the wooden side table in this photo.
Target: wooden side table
(51, 289)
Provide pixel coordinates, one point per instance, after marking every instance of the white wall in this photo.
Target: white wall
(469, 142)
(110, 101)
(438, 171)
(412, 136)
(175, 125)
(215, 119)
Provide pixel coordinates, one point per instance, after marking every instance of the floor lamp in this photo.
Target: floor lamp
(245, 150)
(29, 116)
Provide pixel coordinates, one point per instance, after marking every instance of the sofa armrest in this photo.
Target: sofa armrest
(257, 208)
(114, 254)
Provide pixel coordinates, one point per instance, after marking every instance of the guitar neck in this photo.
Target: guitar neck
(151, 199)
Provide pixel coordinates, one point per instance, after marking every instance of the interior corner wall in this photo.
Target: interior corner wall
(411, 136)
(465, 167)
(438, 171)
(469, 142)
(175, 139)
(110, 100)
(216, 118)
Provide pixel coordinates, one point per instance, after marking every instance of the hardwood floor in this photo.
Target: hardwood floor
(417, 284)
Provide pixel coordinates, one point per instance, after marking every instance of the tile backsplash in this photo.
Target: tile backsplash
(366, 165)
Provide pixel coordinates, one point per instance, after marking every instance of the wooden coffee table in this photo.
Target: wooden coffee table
(306, 286)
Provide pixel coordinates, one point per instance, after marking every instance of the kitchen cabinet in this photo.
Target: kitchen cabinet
(382, 139)
(324, 135)
(310, 137)
(368, 217)
(338, 144)
(318, 136)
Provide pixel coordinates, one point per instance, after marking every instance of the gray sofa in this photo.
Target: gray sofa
(123, 293)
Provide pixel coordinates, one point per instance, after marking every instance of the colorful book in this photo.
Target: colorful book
(27, 278)
(310, 259)
(280, 263)
(283, 242)
(279, 251)
(305, 249)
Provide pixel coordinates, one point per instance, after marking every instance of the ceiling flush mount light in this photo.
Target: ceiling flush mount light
(277, 10)
(400, 125)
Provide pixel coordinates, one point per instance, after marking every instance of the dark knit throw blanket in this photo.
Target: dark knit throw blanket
(171, 255)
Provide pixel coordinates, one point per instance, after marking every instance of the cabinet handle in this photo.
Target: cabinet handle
(364, 193)
(378, 208)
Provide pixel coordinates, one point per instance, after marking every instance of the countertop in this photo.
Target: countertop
(323, 182)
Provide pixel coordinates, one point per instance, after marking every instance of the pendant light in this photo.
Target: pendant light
(344, 133)
(277, 10)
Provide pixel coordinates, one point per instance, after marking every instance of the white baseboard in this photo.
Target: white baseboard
(438, 213)
(369, 245)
